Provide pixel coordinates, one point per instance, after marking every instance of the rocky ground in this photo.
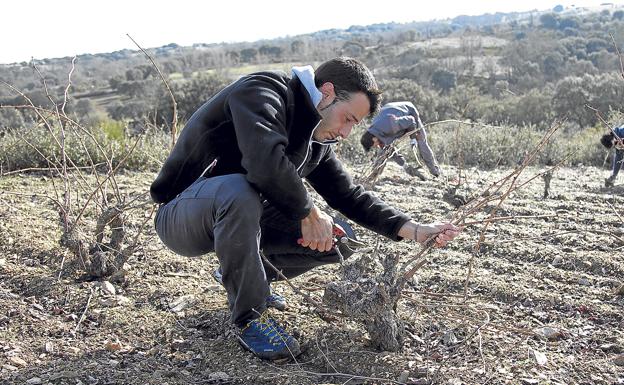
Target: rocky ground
(544, 302)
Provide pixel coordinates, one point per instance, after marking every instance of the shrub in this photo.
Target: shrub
(114, 130)
(489, 146)
(30, 147)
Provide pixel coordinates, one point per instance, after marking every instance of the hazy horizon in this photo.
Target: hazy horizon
(67, 28)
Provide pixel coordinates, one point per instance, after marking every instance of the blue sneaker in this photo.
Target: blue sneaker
(274, 300)
(267, 340)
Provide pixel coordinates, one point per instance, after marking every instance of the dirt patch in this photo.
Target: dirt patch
(542, 307)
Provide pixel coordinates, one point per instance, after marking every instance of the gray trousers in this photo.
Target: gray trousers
(225, 214)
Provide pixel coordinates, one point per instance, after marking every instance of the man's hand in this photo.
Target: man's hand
(316, 230)
(442, 233)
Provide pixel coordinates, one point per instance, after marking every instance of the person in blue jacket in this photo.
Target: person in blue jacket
(614, 139)
(393, 121)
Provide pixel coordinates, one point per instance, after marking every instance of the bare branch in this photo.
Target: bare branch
(174, 123)
(476, 204)
(507, 218)
(35, 169)
(66, 92)
(109, 176)
(84, 312)
(617, 50)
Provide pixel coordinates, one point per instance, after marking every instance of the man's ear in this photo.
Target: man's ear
(327, 89)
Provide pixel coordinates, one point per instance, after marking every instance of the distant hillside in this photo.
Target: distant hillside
(352, 33)
(519, 68)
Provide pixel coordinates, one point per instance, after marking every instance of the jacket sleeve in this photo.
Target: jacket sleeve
(336, 186)
(259, 116)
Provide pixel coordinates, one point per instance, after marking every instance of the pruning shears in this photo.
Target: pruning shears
(340, 237)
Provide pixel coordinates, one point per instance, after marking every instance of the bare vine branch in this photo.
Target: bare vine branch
(174, 123)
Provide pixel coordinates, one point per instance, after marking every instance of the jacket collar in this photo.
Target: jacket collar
(303, 80)
(305, 74)
(304, 117)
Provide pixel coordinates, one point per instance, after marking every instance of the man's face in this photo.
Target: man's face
(339, 116)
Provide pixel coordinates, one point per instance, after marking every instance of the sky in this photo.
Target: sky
(46, 29)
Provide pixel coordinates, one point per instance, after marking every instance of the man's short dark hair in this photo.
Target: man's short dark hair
(367, 140)
(349, 75)
(607, 140)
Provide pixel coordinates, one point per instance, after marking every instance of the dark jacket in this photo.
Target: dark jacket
(261, 126)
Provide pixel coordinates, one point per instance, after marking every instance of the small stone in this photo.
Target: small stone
(619, 360)
(15, 360)
(214, 288)
(108, 288)
(118, 300)
(557, 261)
(584, 282)
(108, 302)
(48, 347)
(113, 346)
(540, 358)
(404, 376)
(529, 381)
(449, 339)
(34, 381)
(182, 303)
(218, 376)
(549, 333)
(73, 350)
(10, 368)
(620, 290)
(610, 347)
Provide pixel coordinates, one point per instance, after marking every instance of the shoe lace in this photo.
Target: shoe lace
(269, 327)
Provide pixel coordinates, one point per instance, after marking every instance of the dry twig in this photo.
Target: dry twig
(491, 193)
(320, 310)
(617, 50)
(174, 123)
(84, 312)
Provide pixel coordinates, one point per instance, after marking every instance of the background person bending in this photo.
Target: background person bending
(393, 121)
(614, 139)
